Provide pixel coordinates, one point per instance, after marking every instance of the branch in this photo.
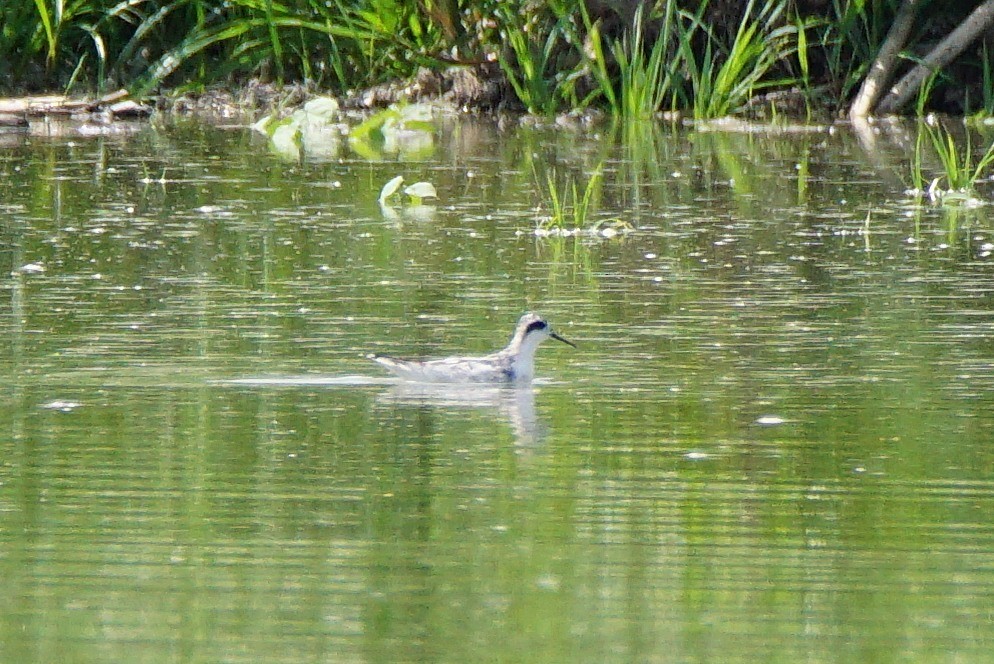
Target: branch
(945, 52)
(886, 60)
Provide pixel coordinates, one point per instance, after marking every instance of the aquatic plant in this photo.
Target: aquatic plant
(417, 191)
(536, 72)
(648, 81)
(961, 169)
(570, 210)
(401, 128)
(724, 81)
(315, 129)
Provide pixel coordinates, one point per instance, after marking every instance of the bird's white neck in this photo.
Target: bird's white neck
(523, 352)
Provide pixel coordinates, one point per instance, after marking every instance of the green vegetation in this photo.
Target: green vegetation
(648, 75)
(532, 71)
(723, 82)
(847, 40)
(569, 208)
(571, 211)
(960, 168)
(635, 59)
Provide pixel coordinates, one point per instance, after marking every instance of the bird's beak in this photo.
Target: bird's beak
(565, 341)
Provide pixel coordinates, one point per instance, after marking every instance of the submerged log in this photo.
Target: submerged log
(115, 103)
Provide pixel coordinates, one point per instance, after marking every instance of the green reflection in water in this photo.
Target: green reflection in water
(772, 443)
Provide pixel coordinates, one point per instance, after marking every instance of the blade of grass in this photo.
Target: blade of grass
(46, 22)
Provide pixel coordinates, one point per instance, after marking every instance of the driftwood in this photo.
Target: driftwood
(944, 53)
(116, 104)
(887, 60)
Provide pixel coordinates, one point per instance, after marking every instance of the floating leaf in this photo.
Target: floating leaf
(285, 140)
(390, 188)
(421, 190)
(262, 125)
(324, 108)
(372, 124)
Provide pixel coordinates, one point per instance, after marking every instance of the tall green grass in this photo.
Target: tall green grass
(674, 54)
(144, 43)
(723, 79)
(961, 168)
(686, 65)
(532, 71)
(649, 74)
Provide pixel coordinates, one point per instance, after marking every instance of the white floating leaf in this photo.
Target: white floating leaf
(262, 125)
(421, 190)
(416, 113)
(286, 140)
(390, 188)
(325, 108)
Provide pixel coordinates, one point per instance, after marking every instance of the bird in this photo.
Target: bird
(515, 364)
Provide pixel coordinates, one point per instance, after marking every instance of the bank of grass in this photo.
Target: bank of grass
(630, 57)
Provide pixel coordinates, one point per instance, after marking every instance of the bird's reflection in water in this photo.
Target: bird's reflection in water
(514, 403)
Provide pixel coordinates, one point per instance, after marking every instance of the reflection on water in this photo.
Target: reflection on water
(515, 405)
(774, 443)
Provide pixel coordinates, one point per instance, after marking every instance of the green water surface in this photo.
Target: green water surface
(773, 444)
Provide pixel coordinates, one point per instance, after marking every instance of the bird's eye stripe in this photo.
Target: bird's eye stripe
(537, 325)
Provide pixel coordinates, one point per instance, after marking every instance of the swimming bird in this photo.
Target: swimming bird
(514, 364)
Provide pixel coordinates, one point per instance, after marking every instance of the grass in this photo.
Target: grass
(144, 43)
(960, 168)
(671, 54)
(723, 81)
(647, 81)
(571, 209)
(530, 72)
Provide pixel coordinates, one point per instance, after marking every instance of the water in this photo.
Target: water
(773, 443)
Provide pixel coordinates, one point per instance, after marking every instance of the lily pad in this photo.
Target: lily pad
(391, 188)
(285, 140)
(323, 108)
(421, 190)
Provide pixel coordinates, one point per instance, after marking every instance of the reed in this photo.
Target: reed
(572, 209)
(569, 208)
(723, 81)
(961, 168)
(548, 58)
(530, 71)
(554, 55)
(648, 81)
